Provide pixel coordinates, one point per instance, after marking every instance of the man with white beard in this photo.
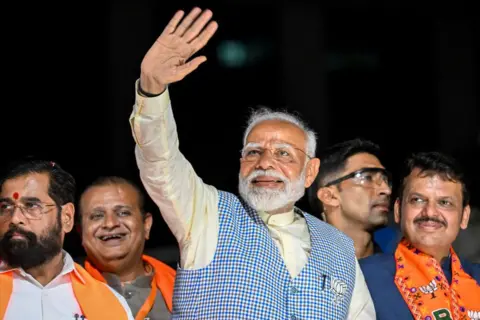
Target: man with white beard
(254, 257)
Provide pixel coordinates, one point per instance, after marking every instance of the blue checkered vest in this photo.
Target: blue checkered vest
(248, 279)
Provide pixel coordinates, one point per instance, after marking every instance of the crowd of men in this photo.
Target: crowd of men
(255, 255)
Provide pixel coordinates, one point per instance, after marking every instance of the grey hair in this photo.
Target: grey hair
(265, 114)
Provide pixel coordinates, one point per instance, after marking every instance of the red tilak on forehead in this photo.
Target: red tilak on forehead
(15, 195)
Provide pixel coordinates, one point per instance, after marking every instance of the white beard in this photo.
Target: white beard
(266, 199)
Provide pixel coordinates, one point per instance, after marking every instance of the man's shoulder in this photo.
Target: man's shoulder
(377, 261)
(473, 269)
(378, 268)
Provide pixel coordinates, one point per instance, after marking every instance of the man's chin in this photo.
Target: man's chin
(115, 253)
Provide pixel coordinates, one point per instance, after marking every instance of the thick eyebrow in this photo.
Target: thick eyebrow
(416, 194)
(122, 206)
(252, 145)
(6, 200)
(30, 199)
(284, 145)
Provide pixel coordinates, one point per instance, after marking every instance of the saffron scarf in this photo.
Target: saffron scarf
(163, 279)
(424, 287)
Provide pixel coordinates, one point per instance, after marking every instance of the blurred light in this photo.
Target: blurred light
(232, 54)
(241, 54)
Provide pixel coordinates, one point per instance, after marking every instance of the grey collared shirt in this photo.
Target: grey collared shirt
(137, 292)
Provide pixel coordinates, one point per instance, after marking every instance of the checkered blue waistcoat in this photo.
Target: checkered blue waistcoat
(248, 279)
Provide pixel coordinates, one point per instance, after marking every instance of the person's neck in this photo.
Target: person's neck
(437, 253)
(46, 272)
(128, 272)
(362, 239)
(285, 209)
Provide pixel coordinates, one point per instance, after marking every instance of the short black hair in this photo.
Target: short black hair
(435, 164)
(333, 162)
(114, 180)
(61, 187)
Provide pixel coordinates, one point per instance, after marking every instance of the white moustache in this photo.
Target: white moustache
(268, 174)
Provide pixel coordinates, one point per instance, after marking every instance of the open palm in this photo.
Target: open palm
(167, 60)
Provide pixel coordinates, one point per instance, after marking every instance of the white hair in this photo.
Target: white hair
(265, 114)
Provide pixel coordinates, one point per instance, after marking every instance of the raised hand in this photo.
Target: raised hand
(166, 61)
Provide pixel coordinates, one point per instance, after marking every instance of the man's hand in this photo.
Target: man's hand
(166, 61)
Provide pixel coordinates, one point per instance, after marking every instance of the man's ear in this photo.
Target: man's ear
(311, 171)
(396, 211)
(67, 216)
(147, 224)
(328, 196)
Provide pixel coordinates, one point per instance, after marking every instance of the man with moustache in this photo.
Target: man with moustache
(114, 227)
(251, 257)
(39, 280)
(352, 192)
(425, 278)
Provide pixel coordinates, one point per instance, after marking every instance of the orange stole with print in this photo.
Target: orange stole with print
(425, 289)
(164, 280)
(91, 295)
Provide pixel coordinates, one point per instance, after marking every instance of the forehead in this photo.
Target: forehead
(432, 184)
(271, 131)
(34, 184)
(109, 195)
(362, 160)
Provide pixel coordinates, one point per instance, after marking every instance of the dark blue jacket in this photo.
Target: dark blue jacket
(379, 271)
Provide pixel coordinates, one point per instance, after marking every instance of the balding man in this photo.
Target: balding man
(256, 256)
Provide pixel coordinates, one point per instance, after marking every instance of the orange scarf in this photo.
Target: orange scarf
(91, 295)
(425, 289)
(164, 279)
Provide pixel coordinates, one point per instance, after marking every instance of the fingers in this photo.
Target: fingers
(192, 32)
(190, 66)
(172, 25)
(187, 21)
(200, 41)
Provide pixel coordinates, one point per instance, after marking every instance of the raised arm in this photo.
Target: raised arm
(188, 206)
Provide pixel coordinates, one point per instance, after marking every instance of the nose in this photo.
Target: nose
(17, 216)
(111, 221)
(384, 188)
(266, 161)
(429, 210)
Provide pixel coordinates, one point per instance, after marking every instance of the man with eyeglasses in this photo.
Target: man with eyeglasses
(256, 256)
(425, 278)
(39, 280)
(352, 192)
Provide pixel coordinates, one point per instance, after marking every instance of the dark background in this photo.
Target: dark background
(401, 74)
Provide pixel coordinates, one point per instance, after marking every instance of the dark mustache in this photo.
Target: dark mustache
(15, 229)
(429, 219)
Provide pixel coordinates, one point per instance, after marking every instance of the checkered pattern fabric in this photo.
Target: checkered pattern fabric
(248, 279)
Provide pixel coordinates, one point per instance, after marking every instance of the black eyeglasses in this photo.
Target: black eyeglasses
(367, 177)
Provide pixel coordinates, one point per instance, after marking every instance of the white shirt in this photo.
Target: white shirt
(55, 301)
(190, 207)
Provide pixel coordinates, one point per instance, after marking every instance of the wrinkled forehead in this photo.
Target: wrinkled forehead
(271, 132)
(30, 185)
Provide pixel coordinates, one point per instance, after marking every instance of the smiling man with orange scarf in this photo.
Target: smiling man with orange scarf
(425, 279)
(114, 228)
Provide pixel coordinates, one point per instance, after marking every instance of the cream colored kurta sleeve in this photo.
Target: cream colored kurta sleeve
(361, 307)
(187, 204)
